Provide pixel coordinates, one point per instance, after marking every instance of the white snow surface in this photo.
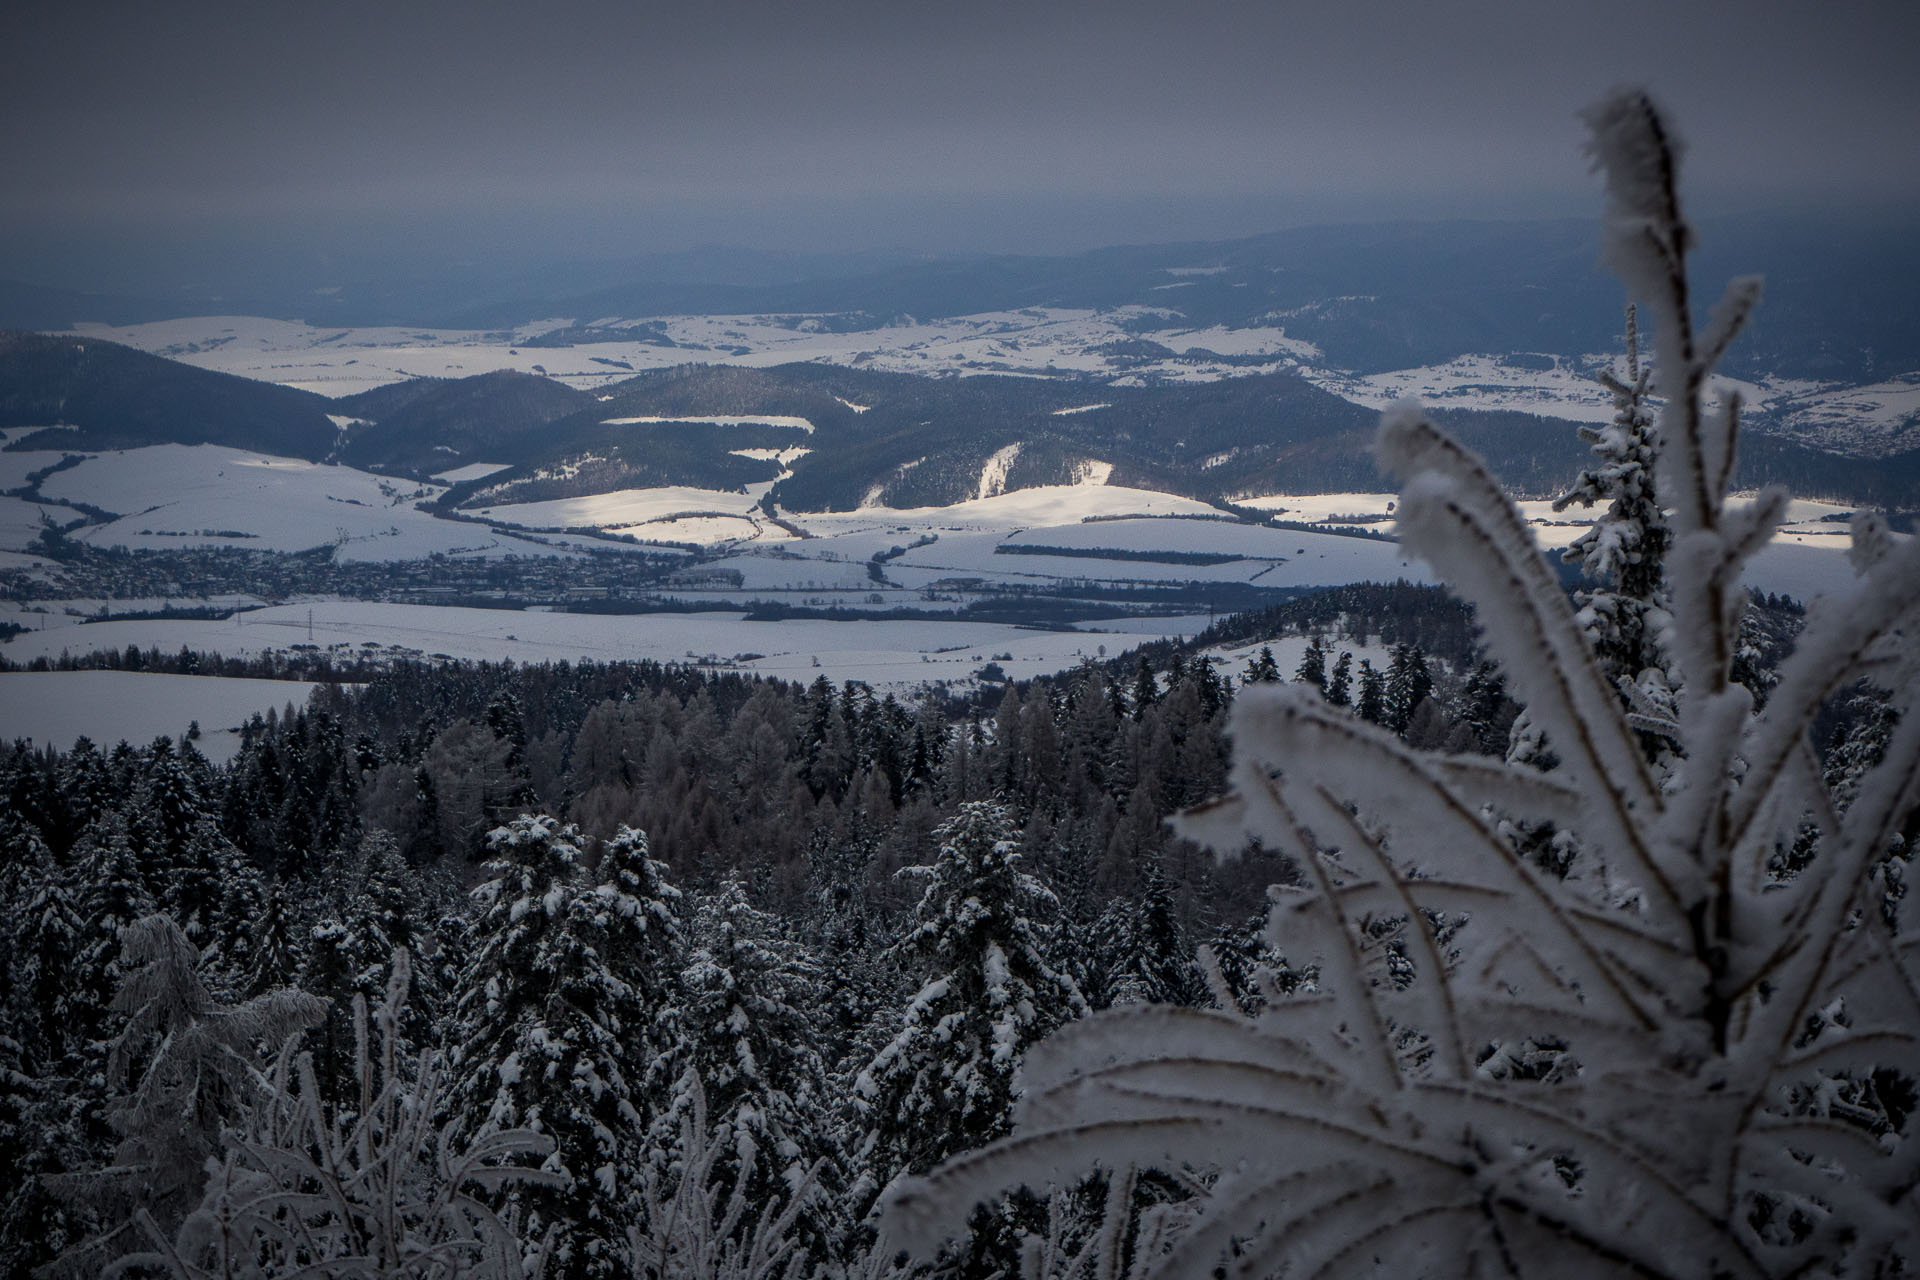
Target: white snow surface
(472, 471)
(993, 475)
(1035, 341)
(637, 511)
(885, 653)
(1566, 390)
(175, 496)
(750, 420)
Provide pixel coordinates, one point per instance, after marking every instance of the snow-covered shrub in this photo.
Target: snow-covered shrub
(375, 1189)
(701, 1221)
(180, 1069)
(1712, 1019)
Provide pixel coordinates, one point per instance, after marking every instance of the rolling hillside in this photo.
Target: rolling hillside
(114, 397)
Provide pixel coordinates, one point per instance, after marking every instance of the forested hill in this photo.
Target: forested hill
(907, 441)
(895, 439)
(115, 397)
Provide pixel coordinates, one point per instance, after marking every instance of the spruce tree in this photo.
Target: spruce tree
(274, 954)
(45, 1006)
(1146, 689)
(1371, 702)
(113, 896)
(985, 990)
(1623, 551)
(1144, 954)
(645, 950)
(1408, 683)
(179, 1069)
(538, 1042)
(1262, 669)
(1340, 683)
(1313, 665)
(749, 1037)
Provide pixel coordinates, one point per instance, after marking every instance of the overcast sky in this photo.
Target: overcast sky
(599, 128)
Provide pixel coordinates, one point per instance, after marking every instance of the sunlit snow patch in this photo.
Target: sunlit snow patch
(993, 476)
(472, 471)
(723, 420)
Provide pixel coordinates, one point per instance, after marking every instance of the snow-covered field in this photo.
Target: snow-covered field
(1875, 420)
(338, 362)
(21, 521)
(1481, 382)
(1272, 557)
(175, 496)
(1869, 420)
(55, 707)
(895, 654)
(670, 513)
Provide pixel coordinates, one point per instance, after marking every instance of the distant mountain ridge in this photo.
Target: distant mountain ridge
(1372, 297)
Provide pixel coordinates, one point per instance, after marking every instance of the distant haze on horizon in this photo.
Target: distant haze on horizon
(153, 146)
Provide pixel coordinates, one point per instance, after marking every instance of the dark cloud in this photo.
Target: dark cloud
(976, 125)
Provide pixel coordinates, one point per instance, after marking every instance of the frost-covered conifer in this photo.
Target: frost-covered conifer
(1146, 956)
(1409, 681)
(645, 949)
(114, 895)
(1313, 665)
(1371, 701)
(1623, 552)
(275, 957)
(537, 1042)
(44, 1008)
(985, 991)
(1340, 683)
(748, 1038)
(338, 963)
(46, 1025)
(1484, 710)
(701, 1219)
(371, 1188)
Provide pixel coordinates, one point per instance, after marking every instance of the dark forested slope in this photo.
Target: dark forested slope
(116, 397)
